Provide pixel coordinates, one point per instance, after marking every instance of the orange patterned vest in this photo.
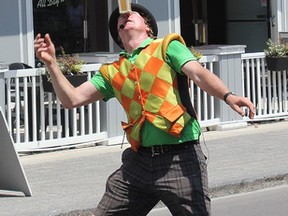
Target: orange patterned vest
(148, 91)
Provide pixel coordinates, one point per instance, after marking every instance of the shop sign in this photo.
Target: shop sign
(49, 3)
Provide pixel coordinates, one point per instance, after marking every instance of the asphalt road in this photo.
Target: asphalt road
(266, 202)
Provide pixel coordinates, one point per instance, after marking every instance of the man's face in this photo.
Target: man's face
(131, 21)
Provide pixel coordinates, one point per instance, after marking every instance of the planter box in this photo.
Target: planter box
(75, 80)
(277, 63)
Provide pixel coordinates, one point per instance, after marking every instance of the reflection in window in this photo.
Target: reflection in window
(73, 24)
(75, 17)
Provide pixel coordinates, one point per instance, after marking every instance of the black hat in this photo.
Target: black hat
(135, 7)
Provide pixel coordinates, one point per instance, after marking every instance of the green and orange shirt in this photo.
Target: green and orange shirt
(152, 129)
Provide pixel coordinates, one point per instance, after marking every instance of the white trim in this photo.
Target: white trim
(285, 15)
(282, 16)
(279, 15)
(111, 48)
(169, 16)
(20, 30)
(30, 33)
(177, 16)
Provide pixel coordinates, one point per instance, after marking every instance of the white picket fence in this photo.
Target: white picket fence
(37, 121)
(267, 89)
(202, 102)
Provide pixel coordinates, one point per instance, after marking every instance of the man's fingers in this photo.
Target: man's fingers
(251, 114)
(251, 110)
(37, 36)
(240, 111)
(48, 39)
(38, 39)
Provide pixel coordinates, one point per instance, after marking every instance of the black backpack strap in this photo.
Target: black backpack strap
(183, 80)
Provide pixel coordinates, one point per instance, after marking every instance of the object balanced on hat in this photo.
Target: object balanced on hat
(144, 12)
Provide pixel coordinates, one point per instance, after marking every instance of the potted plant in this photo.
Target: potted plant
(276, 56)
(70, 66)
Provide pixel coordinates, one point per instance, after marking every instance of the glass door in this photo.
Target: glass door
(194, 22)
(77, 26)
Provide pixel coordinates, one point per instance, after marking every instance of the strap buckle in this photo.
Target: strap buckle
(158, 150)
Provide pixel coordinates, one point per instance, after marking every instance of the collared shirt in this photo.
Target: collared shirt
(132, 57)
(177, 56)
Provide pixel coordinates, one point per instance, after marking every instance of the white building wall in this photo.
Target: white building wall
(16, 24)
(279, 18)
(285, 15)
(16, 31)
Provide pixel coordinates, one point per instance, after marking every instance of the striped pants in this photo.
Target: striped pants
(178, 179)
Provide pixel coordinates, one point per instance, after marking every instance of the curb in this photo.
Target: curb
(248, 186)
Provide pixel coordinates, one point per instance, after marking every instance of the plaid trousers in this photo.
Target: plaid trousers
(178, 179)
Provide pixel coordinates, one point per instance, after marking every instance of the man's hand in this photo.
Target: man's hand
(211, 84)
(236, 102)
(44, 49)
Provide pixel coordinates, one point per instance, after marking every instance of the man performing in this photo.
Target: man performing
(165, 161)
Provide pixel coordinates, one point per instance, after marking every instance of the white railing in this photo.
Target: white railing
(266, 89)
(37, 120)
(203, 103)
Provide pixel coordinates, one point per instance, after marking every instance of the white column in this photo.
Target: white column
(30, 33)
(285, 15)
(177, 16)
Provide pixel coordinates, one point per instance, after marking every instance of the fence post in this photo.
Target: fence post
(229, 69)
(3, 69)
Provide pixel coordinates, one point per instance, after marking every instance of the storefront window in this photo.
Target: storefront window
(77, 26)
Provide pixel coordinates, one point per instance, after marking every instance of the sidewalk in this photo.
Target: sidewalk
(70, 180)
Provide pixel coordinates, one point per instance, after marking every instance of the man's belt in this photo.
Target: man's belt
(163, 149)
